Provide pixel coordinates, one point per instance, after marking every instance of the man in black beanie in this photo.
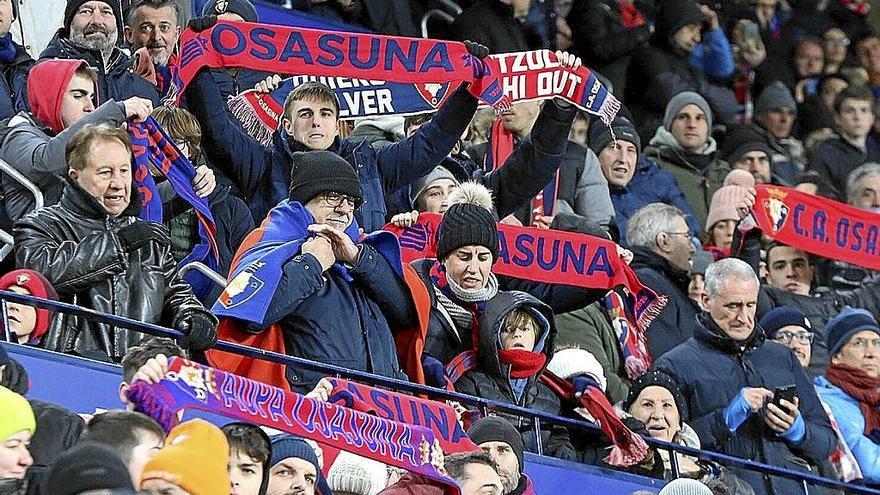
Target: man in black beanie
(337, 296)
(504, 444)
(91, 32)
(88, 467)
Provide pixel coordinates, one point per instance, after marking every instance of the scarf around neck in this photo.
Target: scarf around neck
(464, 306)
(523, 363)
(863, 388)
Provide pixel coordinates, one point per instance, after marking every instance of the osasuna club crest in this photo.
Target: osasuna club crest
(220, 6)
(776, 209)
(243, 287)
(432, 93)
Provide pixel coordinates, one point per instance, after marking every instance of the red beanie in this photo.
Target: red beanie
(38, 286)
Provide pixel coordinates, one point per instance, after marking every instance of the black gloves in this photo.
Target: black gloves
(199, 24)
(476, 49)
(140, 234)
(199, 331)
(435, 373)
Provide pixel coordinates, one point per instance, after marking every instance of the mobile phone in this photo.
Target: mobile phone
(752, 35)
(786, 392)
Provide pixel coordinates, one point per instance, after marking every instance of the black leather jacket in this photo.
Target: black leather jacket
(75, 245)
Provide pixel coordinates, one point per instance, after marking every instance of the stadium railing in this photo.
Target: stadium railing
(806, 480)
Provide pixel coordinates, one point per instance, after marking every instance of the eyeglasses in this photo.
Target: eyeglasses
(685, 234)
(803, 337)
(841, 42)
(862, 343)
(335, 199)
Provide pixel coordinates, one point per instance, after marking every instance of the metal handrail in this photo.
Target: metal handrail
(9, 170)
(452, 6)
(434, 13)
(8, 244)
(200, 267)
(482, 404)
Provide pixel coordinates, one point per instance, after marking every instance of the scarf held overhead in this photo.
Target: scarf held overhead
(548, 256)
(819, 226)
(188, 385)
(497, 80)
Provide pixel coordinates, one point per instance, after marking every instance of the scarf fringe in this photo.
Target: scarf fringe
(652, 311)
(609, 110)
(250, 121)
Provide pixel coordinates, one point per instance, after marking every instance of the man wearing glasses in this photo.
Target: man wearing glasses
(791, 328)
(337, 296)
(850, 385)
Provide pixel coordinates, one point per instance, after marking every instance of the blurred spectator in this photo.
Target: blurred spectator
(92, 248)
(722, 220)
(807, 65)
(352, 474)
(836, 46)
(86, 469)
(249, 451)
(327, 268)
(849, 386)
(713, 55)
(867, 50)
(90, 32)
(231, 214)
(172, 470)
(294, 468)
(15, 62)
(143, 359)
(62, 95)
(132, 436)
(475, 472)
(851, 16)
(811, 182)
(791, 328)
(17, 425)
(816, 113)
(152, 31)
(311, 116)
(383, 130)
(840, 155)
(498, 24)
(633, 181)
(685, 486)
(744, 149)
(775, 113)
(655, 400)
(28, 324)
(516, 341)
(346, 11)
(684, 147)
(606, 33)
(663, 70)
(504, 444)
(722, 400)
(579, 129)
(661, 243)
(697, 285)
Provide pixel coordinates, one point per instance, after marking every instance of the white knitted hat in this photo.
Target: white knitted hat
(573, 362)
(357, 475)
(685, 486)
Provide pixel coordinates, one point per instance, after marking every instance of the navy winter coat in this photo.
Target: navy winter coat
(675, 323)
(650, 184)
(709, 389)
(327, 319)
(835, 158)
(263, 174)
(116, 81)
(13, 79)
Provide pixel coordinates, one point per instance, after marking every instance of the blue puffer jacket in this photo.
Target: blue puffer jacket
(711, 369)
(852, 426)
(263, 174)
(650, 184)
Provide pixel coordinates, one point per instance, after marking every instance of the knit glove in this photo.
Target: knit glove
(476, 49)
(435, 373)
(141, 234)
(796, 432)
(199, 331)
(199, 24)
(737, 412)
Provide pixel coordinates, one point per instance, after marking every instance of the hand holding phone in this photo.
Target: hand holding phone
(779, 393)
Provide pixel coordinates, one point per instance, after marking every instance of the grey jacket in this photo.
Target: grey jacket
(26, 145)
(76, 246)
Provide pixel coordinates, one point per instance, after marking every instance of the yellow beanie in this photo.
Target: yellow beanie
(15, 414)
(194, 458)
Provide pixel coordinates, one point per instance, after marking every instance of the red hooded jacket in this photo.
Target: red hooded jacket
(47, 82)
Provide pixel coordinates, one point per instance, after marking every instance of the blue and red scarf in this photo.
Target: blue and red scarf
(381, 437)
(498, 80)
(153, 149)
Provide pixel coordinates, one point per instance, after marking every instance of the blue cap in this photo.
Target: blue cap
(783, 316)
(847, 323)
(286, 446)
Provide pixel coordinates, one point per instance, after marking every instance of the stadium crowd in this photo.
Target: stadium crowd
(758, 349)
